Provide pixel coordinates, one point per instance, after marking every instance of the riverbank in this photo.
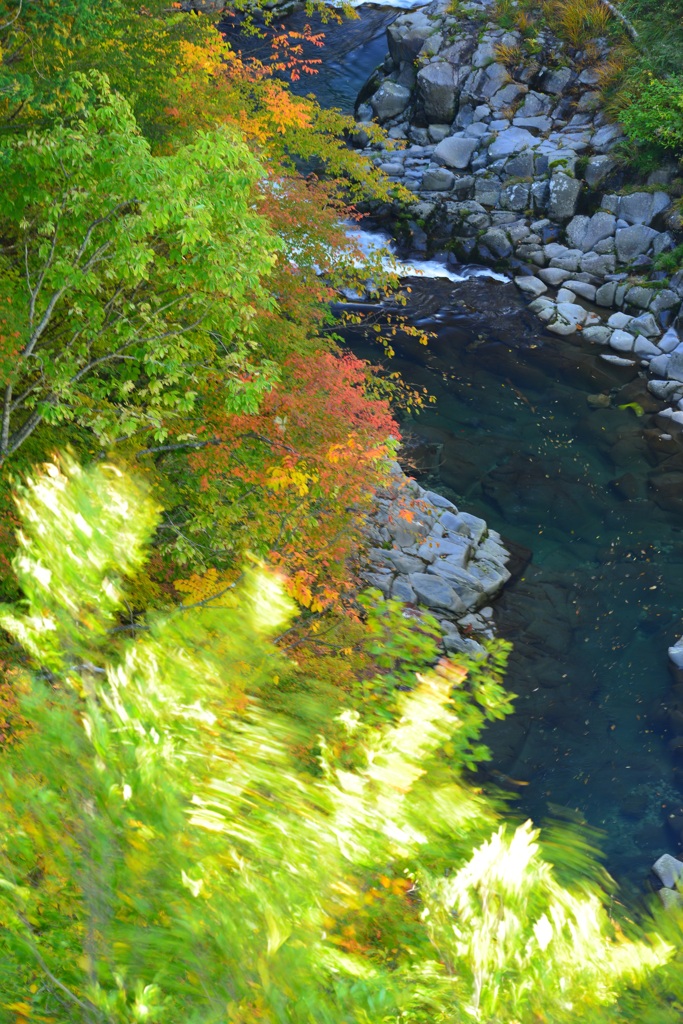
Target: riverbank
(514, 163)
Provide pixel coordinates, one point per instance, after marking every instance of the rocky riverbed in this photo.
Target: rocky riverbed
(514, 163)
(425, 552)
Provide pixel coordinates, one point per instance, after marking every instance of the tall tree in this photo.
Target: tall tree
(125, 276)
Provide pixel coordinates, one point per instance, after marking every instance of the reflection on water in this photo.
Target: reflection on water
(513, 439)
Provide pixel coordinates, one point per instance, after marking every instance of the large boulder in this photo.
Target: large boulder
(597, 169)
(436, 593)
(407, 35)
(510, 141)
(642, 207)
(436, 86)
(633, 241)
(564, 195)
(497, 243)
(455, 151)
(585, 232)
(438, 179)
(390, 100)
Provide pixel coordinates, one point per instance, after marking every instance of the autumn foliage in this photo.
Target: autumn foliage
(289, 482)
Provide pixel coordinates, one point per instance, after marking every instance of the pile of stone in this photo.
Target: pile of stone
(512, 163)
(426, 553)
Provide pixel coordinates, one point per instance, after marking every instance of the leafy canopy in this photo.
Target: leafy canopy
(125, 276)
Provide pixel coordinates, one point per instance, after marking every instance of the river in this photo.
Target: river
(512, 437)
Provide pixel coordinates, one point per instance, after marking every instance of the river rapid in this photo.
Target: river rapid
(596, 600)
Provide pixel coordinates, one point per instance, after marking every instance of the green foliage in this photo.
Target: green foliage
(670, 261)
(654, 115)
(164, 859)
(124, 276)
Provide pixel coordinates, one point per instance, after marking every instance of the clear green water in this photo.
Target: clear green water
(513, 438)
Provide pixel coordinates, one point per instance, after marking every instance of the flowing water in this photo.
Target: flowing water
(597, 599)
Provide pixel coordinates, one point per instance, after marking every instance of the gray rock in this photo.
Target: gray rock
(465, 585)
(456, 644)
(633, 241)
(668, 869)
(487, 191)
(674, 366)
(645, 348)
(539, 123)
(597, 169)
(404, 563)
(564, 195)
(622, 341)
(540, 192)
(438, 179)
(439, 132)
(662, 389)
(671, 899)
(477, 527)
(569, 315)
(604, 296)
(432, 45)
(497, 242)
(582, 288)
(606, 245)
(455, 151)
(596, 265)
(636, 208)
(554, 276)
(619, 321)
(490, 575)
(585, 232)
(509, 142)
(484, 54)
(569, 260)
(589, 102)
(476, 131)
(457, 547)
(389, 100)
(515, 197)
(535, 105)
(544, 308)
(659, 365)
(640, 297)
(380, 580)
(531, 286)
(557, 80)
(437, 89)
(402, 590)
(438, 501)
(605, 138)
(407, 35)
(598, 335)
(394, 168)
(589, 77)
(435, 592)
(495, 77)
(666, 299)
(521, 165)
(664, 242)
(505, 97)
(669, 341)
